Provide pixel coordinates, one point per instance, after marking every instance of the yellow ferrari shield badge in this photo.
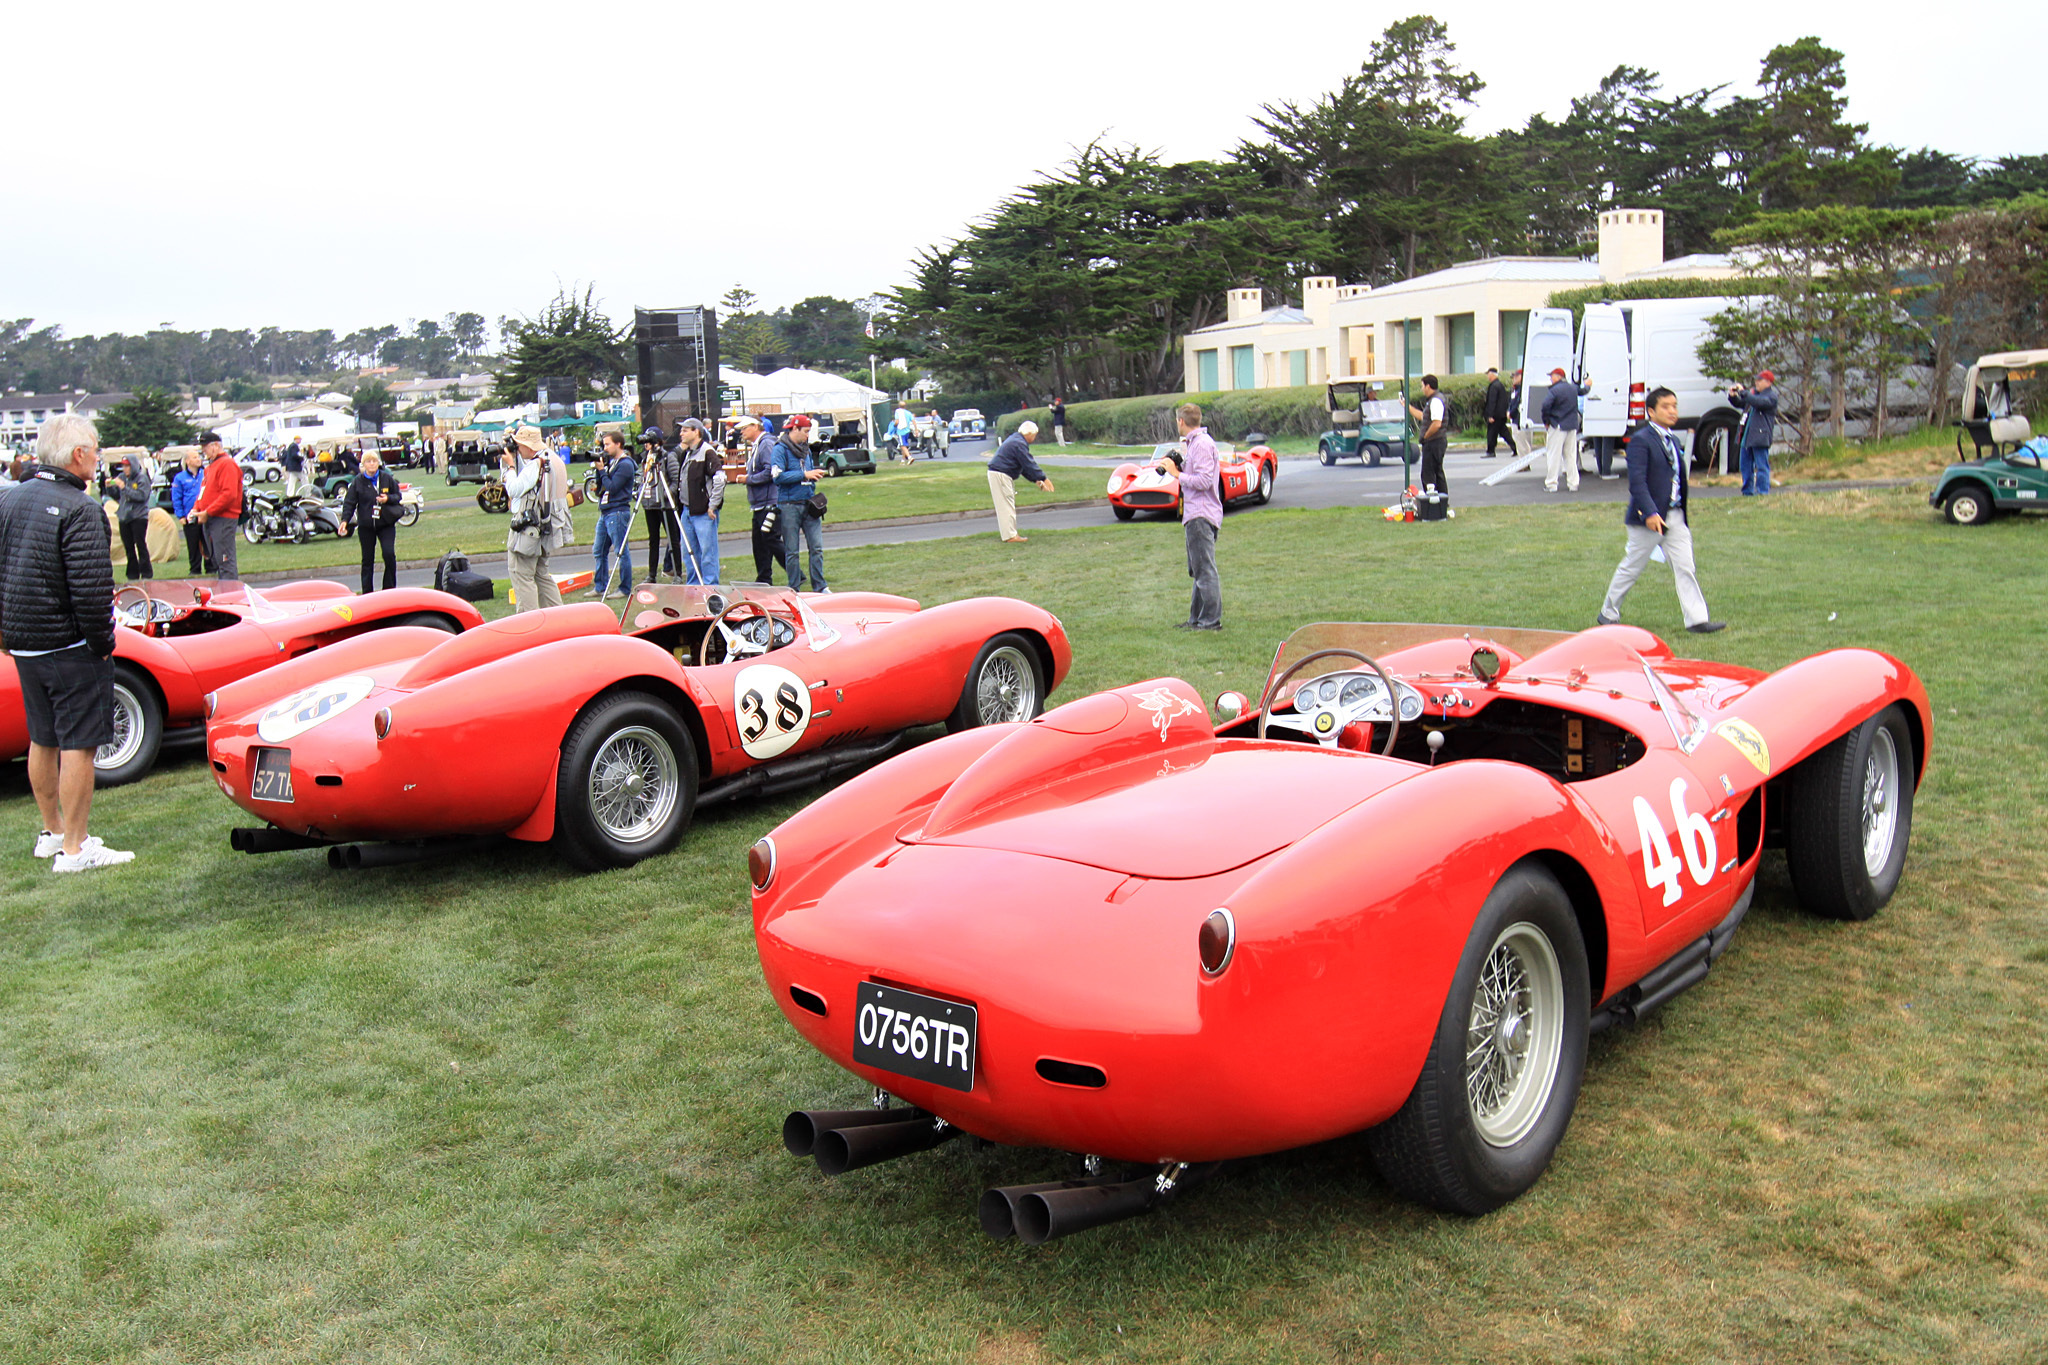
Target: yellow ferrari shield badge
(1743, 736)
(345, 613)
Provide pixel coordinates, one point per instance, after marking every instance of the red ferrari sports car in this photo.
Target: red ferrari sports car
(1396, 895)
(180, 639)
(1154, 487)
(563, 724)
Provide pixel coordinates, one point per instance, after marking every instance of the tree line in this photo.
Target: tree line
(1082, 282)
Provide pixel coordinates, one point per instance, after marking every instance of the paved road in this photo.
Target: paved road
(1304, 483)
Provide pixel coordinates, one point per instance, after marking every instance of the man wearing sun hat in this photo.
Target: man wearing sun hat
(538, 485)
(1561, 431)
(1759, 424)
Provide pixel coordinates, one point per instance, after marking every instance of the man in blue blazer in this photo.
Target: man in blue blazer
(1657, 516)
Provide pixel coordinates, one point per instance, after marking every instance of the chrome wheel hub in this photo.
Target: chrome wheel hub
(634, 784)
(1514, 1038)
(1880, 808)
(1007, 689)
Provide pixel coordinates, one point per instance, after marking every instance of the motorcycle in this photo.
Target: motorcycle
(295, 520)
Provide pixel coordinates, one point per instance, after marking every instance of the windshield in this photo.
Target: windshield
(1377, 639)
(664, 604)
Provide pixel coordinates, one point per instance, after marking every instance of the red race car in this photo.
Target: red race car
(1395, 896)
(560, 724)
(176, 640)
(1155, 487)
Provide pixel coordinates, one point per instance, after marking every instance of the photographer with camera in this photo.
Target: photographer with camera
(538, 485)
(615, 480)
(661, 474)
(798, 502)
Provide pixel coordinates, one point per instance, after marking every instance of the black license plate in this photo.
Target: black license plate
(271, 779)
(914, 1035)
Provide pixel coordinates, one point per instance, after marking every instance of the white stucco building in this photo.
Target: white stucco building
(1460, 320)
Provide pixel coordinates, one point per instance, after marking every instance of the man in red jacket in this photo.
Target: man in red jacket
(219, 508)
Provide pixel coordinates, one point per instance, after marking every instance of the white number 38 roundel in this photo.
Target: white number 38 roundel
(772, 708)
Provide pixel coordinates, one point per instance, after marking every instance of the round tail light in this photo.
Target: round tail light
(761, 864)
(211, 703)
(1217, 942)
(381, 722)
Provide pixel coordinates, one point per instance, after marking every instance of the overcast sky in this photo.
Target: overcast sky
(230, 163)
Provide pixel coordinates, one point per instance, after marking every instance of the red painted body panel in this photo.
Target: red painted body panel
(256, 629)
(477, 722)
(1063, 897)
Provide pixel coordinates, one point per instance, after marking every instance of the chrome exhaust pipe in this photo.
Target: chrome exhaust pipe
(801, 1130)
(840, 1150)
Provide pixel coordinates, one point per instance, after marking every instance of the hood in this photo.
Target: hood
(1102, 782)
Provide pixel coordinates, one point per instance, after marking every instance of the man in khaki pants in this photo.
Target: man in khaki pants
(538, 485)
(1013, 461)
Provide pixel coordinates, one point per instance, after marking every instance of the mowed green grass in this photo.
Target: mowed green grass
(484, 1110)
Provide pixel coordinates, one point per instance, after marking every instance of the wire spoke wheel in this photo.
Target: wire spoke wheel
(1880, 805)
(1514, 1036)
(633, 784)
(130, 726)
(1006, 690)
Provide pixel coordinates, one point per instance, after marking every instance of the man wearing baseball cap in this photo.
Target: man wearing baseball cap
(219, 508)
(796, 481)
(761, 498)
(1759, 424)
(1561, 431)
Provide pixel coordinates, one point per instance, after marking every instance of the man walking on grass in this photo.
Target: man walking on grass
(1201, 518)
(1012, 461)
(57, 620)
(1657, 517)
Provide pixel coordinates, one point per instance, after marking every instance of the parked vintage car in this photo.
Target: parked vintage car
(175, 640)
(562, 724)
(259, 467)
(1246, 475)
(967, 424)
(1396, 895)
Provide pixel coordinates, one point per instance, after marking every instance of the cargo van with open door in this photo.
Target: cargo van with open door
(1613, 395)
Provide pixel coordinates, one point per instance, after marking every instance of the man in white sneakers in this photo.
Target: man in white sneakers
(57, 621)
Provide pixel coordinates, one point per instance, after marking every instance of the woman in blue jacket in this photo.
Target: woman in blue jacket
(185, 486)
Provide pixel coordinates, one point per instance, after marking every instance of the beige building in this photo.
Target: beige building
(1461, 320)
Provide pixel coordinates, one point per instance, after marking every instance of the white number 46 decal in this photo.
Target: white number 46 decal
(1695, 836)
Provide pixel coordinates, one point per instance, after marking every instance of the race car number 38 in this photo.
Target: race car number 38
(914, 1035)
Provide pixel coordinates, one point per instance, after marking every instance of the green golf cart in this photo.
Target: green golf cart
(2006, 474)
(1362, 423)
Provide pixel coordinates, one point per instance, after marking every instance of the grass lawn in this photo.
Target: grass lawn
(484, 1110)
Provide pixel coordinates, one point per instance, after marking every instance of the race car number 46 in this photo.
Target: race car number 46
(914, 1035)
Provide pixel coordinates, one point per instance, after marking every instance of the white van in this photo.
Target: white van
(1622, 351)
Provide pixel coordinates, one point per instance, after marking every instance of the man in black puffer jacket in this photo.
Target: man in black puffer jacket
(57, 621)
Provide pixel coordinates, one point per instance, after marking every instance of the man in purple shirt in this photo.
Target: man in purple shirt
(1201, 516)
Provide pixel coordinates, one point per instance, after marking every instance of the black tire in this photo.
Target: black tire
(1969, 503)
(408, 514)
(1849, 817)
(1123, 513)
(492, 497)
(1438, 1148)
(138, 729)
(1265, 494)
(1325, 454)
(251, 532)
(1003, 684)
(621, 738)
(432, 620)
(1374, 455)
(1709, 445)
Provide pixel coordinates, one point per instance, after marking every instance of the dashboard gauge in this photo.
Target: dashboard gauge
(1411, 705)
(1359, 691)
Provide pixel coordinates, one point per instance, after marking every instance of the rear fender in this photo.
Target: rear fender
(509, 635)
(371, 610)
(1354, 933)
(357, 654)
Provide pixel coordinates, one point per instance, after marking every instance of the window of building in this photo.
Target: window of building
(1411, 331)
(1514, 339)
(1242, 376)
(1297, 367)
(1205, 370)
(1462, 354)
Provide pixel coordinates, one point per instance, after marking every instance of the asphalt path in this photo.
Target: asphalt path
(1304, 482)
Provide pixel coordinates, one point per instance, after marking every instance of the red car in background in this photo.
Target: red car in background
(569, 724)
(1247, 475)
(1397, 895)
(175, 640)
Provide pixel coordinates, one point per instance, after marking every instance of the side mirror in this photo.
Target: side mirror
(1485, 666)
(1231, 705)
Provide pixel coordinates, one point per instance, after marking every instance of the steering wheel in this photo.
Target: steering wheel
(737, 645)
(143, 612)
(1329, 740)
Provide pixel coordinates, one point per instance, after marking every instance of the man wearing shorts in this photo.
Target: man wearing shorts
(57, 621)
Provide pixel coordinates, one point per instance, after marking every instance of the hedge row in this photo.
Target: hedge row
(1230, 414)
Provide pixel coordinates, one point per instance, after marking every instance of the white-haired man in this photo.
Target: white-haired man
(57, 620)
(1013, 461)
